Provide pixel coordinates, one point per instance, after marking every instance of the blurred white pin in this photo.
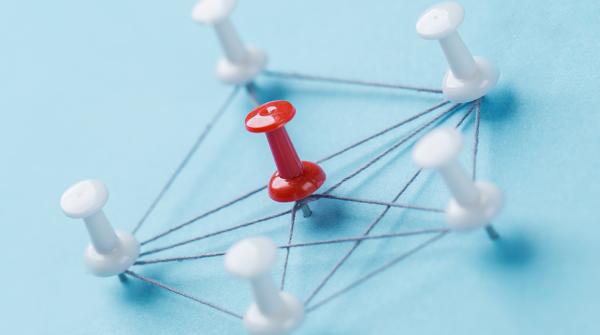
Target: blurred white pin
(474, 203)
(274, 312)
(467, 78)
(241, 62)
(109, 253)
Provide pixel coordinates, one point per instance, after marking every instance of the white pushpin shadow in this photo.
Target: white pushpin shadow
(474, 204)
(110, 252)
(242, 63)
(468, 78)
(273, 312)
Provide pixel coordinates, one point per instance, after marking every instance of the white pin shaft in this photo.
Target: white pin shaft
(462, 187)
(234, 48)
(267, 296)
(459, 58)
(101, 233)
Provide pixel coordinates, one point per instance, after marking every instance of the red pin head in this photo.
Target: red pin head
(270, 116)
(294, 179)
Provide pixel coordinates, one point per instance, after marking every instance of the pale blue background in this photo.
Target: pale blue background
(118, 90)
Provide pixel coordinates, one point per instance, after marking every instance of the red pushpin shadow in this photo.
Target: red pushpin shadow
(294, 179)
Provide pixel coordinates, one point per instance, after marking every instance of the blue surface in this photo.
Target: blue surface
(119, 91)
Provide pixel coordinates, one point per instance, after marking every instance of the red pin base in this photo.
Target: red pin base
(289, 190)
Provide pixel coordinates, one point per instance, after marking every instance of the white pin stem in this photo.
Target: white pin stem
(232, 45)
(473, 204)
(440, 150)
(241, 63)
(110, 252)
(252, 259)
(101, 233)
(267, 295)
(273, 312)
(459, 58)
(461, 186)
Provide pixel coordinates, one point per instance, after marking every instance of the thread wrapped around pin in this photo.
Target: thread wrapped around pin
(110, 252)
(468, 78)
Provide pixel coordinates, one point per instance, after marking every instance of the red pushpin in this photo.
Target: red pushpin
(294, 179)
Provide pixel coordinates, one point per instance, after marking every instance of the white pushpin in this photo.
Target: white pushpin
(110, 252)
(241, 62)
(468, 78)
(474, 204)
(274, 312)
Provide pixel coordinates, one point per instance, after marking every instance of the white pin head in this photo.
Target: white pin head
(438, 148)
(440, 20)
(110, 252)
(84, 199)
(212, 11)
(251, 257)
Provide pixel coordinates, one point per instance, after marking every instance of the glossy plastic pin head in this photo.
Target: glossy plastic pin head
(84, 199)
(438, 148)
(270, 116)
(213, 11)
(440, 20)
(251, 257)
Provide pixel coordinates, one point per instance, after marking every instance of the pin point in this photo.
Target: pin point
(474, 204)
(468, 78)
(294, 180)
(110, 252)
(274, 312)
(241, 62)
